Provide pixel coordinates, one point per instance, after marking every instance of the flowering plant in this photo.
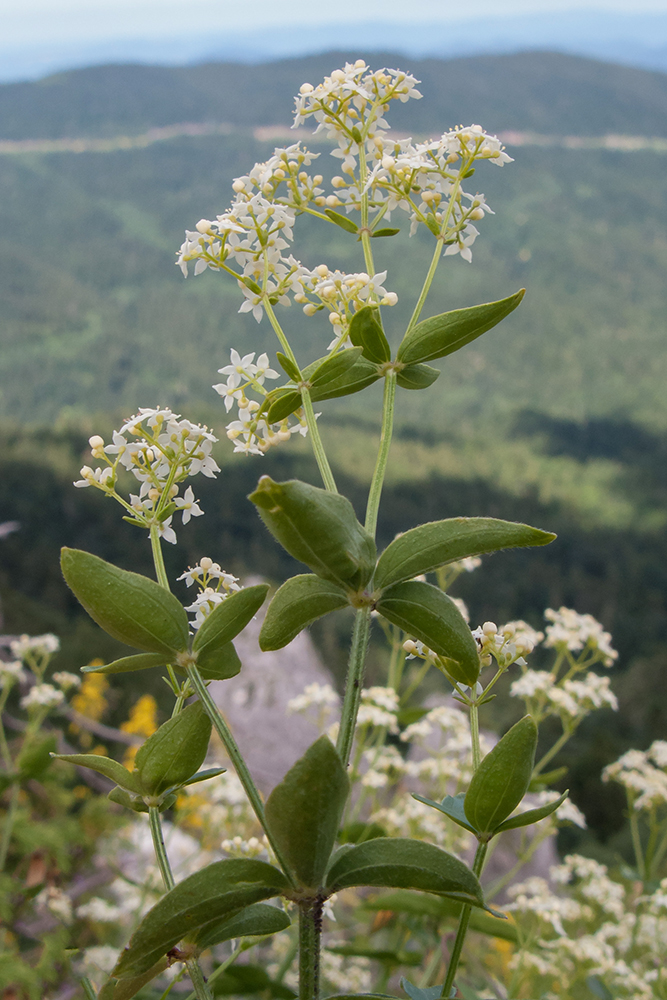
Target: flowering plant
(479, 791)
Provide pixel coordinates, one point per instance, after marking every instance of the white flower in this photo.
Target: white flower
(100, 911)
(532, 683)
(56, 902)
(42, 696)
(576, 632)
(10, 673)
(314, 695)
(188, 505)
(66, 680)
(41, 645)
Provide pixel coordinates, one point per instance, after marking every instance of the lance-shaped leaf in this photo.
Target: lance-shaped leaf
(341, 220)
(227, 619)
(425, 548)
(353, 378)
(451, 806)
(127, 664)
(128, 606)
(441, 335)
(532, 815)
(255, 920)
(501, 780)
(219, 664)
(318, 528)
(106, 766)
(401, 863)
(301, 600)
(125, 989)
(288, 366)
(216, 891)
(417, 377)
(423, 992)
(366, 332)
(425, 612)
(303, 812)
(175, 751)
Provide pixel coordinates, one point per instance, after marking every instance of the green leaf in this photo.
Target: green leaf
(384, 232)
(140, 661)
(355, 833)
(283, 405)
(441, 335)
(429, 546)
(425, 612)
(321, 373)
(125, 989)
(439, 908)
(209, 772)
(258, 919)
(354, 378)
(303, 812)
(301, 600)
(288, 366)
(318, 528)
(423, 992)
(219, 664)
(216, 891)
(246, 980)
(531, 815)
(135, 803)
(175, 751)
(35, 758)
(366, 332)
(129, 607)
(106, 766)
(501, 780)
(417, 377)
(400, 863)
(451, 806)
(341, 220)
(362, 374)
(227, 619)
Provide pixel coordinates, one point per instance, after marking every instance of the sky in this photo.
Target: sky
(30, 22)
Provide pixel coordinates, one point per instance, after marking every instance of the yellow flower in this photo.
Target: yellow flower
(142, 722)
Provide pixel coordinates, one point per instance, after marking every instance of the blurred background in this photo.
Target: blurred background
(123, 123)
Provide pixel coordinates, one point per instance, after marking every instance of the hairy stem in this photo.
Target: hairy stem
(474, 736)
(202, 991)
(355, 677)
(464, 920)
(310, 932)
(377, 481)
(220, 969)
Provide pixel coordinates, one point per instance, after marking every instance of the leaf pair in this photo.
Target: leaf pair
(168, 760)
(140, 613)
(321, 529)
(498, 786)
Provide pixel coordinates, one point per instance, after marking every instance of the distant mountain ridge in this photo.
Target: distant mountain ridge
(542, 92)
(637, 39)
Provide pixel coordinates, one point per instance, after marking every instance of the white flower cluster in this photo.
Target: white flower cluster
(318, 696)
(100, 911)
(11, 673)
(42, 696)
(237, 847)
(505, 645)
(66, 681)
(569, 699)
(341, 295)
(26, 647)
(214, 583)
(161, 450)
(574, 632)
(643, 773)
(251, 433)
(378, 708)
(56, 902)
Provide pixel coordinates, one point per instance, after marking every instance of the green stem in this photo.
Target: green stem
(474, 736)
(235, 755)
(8, 828)
(431, 968)
(202, 991)
(88, 988)
(355, 677)
(310, 931)
(464, 920)
(551, 753)
(4, 746)
(163, 580)
(636, 839)
(377, 481)
(219, 971)
(318, 447)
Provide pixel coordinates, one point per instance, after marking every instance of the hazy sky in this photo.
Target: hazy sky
(26, 22)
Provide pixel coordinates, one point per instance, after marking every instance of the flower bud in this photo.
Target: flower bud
(96, 441)
(489, 628)
(203, 226)
(238, 186)
(306, 88)
(332, 201)
(205, 563)
(390, 299)
(334, 318)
